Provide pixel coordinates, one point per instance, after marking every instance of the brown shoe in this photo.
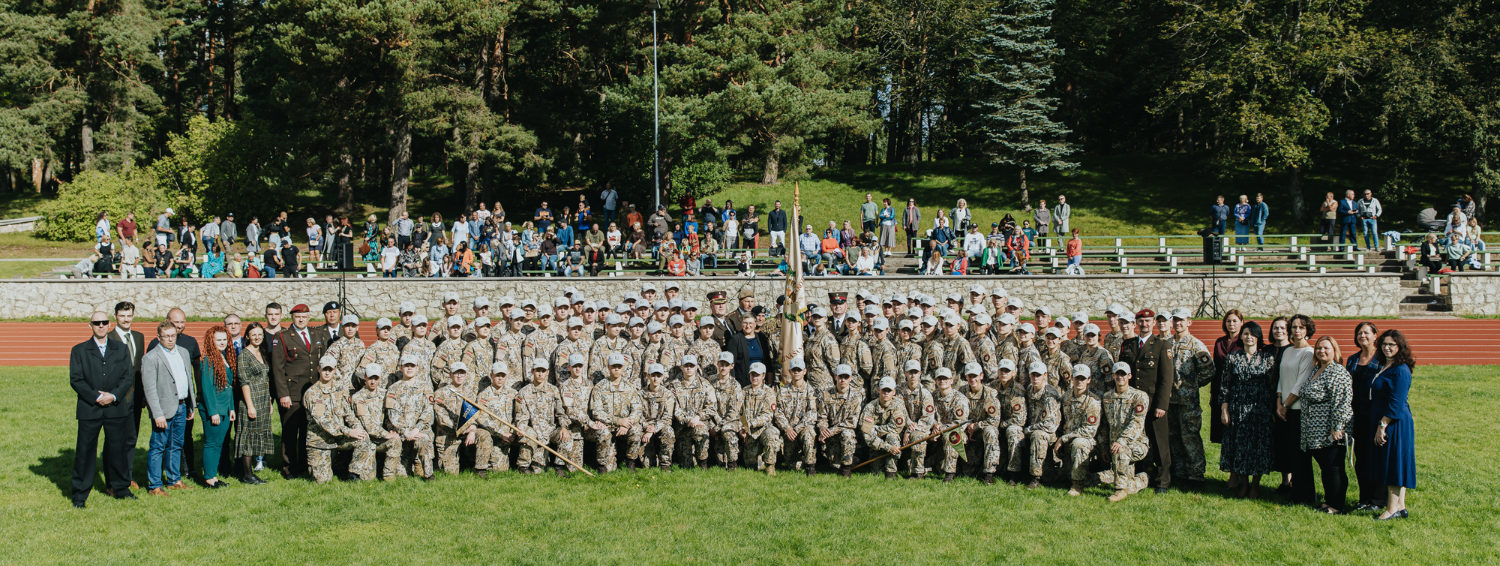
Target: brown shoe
(890, 475)
(179, 485)
(159, 492)
(1118, 496)
(771, 470)
(134, 486)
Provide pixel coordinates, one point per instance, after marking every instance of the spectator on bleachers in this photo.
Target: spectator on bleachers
(1475, 234)
(960, 265)
(1348, 220)
(677, 267)
(831, 250)
(731, 228)
(213, 264)
(1369, 215)
(934, 264)
(1432, 254)
(548, 251)
(992, 260)
(962, 216)
(942, 236)
(1074, 251)
(1457, 225)
(1043, 218)
(130, 259)
(1260, 213)
(865, 265)
(1330, 211)
(1061, 213)
(973, 243)
(182, 265)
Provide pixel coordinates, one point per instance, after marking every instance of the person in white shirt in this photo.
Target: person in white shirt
(1296, 368)
(460, 231)
(612, 241)
(962, 216)
(210, 235)
(129, 258)
(388, 258)
(610, 198)
(974, 243)
(1458, 224)
(101, 228)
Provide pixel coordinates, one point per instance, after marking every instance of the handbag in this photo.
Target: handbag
(364, 248)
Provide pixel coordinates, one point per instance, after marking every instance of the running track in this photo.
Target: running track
(1438, 342)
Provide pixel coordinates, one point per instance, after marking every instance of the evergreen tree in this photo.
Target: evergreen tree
(1015, 60)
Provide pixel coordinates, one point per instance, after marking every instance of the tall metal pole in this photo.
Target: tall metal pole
(656, 116)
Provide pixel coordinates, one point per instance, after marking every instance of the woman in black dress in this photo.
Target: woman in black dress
(1248, 393)
(1363, 366)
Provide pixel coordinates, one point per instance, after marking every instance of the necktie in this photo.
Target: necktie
(305, 341)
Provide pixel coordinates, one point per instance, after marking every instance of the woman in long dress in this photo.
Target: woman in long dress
(1393, 461)
(1247, 397)
(252, 436)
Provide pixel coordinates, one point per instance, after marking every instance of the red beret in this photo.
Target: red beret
(1145, 313)
(299, 308)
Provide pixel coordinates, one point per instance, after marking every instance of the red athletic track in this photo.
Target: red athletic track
(1438, 342)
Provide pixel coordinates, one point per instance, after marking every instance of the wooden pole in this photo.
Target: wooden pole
(526, 436)
(884, 455)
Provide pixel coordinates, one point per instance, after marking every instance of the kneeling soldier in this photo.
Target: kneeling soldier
(797, 416)
(331, 427)
(408, 409)
(696, 412)
(574, 386)
(882, 423)
(617, 416)
(448, 417)
(984, 421)
(658, 408)
(921, 416)
(761, 440)
(365, 405)
(540, 414)
(952, 409)
(1080, 416)
(730, 397)
(1125, 414)
(1042, 419)
(838, 413)
(494, 438)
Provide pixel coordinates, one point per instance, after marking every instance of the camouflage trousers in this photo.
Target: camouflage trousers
(727, 444)
(806, 440)
(985, 443)
(532, 454)
(840, 448)
(1185, 431)
(917, 454)
(1121, 471)
(604, 445)
(759, 451)
(695, 442)
(575, 448)
(1037, 442)
(491, 451)
(892, 439)
(1076, 455)
(320, 460)
(658, 448)
(414, 454)
(446, 442)
(950, 453)
(1015, 443)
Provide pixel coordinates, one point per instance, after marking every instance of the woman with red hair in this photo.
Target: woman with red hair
(216, 399)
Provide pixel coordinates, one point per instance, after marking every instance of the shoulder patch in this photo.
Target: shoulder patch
(930, 408)
(900, 420)
(1016, 407)
(1093, 419)
(990, 409)
(1139, 408)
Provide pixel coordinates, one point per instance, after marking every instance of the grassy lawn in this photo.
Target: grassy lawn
(28, 245)
(27, 269)
(717, 517)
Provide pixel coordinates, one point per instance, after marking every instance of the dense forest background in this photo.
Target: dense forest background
(240, 105)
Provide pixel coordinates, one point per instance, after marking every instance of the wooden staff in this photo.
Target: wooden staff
(885, 454)
(524, 435)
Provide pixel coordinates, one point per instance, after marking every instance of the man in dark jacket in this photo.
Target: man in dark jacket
(1152, 371)
(776, 226)
(101, 373)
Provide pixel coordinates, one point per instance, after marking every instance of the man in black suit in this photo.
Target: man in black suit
(135, 344)
(294, 355)
(332, 314)
(178, 318)
(100, 372)
(1152, 371)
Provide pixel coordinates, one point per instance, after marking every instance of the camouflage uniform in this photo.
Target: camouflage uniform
(447, 410)
(539, 413)
(881, 426)
(478, 356)
(448, 352)
(952, 409)
(984, 351)
(797, 409)
(956, 354)
(400, 330)
(1059, 370)
(599, 361)
(651, 354)
(1195, 366)
(1043, 417)
(853, 350)
(887, 362)
(539, 344)
(1013, 419)
(839, 413)
(922, 416)
(932, 359)
(348, 351)
(575, 400)
(1024, 357)
(635, 362)
(1125, 415)
(329, 422)
(822, 354)
(757, 413)
(1111, 343)
(564, 350)
(696, 399)
(730, 398)
(365, 406)
(612, 401)
(907, 350)
(984, 413)
(424, 349)
(409, 411)
(385, 353)
(508, 349)
(1007, 349)
(658, 408)
(1075, 347)
(707, 351)
(670, 356)
(1080, 422)
(1101, 367)
(492, 451)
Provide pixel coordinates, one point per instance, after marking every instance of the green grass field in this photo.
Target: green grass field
(717, 517)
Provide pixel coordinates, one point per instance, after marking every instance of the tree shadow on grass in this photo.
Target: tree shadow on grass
(59, 470)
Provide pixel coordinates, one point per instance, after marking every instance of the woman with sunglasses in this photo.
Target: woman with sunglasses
(1393, 455)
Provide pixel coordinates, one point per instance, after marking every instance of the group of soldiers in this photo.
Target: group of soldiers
(905, 381)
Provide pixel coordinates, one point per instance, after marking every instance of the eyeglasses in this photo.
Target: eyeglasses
(1389, 345)
(99, 322)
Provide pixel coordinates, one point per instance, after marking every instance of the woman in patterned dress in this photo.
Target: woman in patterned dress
(252, 437)
(1246, 400)
(1327, 411)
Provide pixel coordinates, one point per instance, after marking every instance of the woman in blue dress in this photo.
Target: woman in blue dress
(1393, 458)
(1242, 221)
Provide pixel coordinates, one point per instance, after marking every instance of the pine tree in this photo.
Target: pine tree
(1015, 61)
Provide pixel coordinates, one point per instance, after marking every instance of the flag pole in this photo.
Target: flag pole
(796, 302)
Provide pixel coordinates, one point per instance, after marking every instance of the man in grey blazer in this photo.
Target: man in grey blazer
(1060, 214)
(167, 377)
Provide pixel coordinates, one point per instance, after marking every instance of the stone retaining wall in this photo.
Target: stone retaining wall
(1475, 293)
(1258, 295)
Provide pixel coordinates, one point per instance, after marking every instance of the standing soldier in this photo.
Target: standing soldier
(1124, 410)
(507, 306)
(838, 418)
(1012, 395)
(658, 408)
(617, 416)
(731, 398)
(508, 349)
(1043, 417)
(1080, 417)
(541, 415)
(907, 347)
(573, 342)
(450, 310)
(365, 405)
(882, 423)
(575, 388)
(448, 417)
(635, 352)
(761, 441)
(481, 310)
(1026, 353)
(674, 346)
(797, 415)
(492, 449)
(921, 417)
(450, 352)
(562, 310)
(932, 350)
(348, 352)
(382, 353)
(1059, 366)
(1153, 371)
(696, 416)
(613, 341)
(421, 347)
(1075, 347)
(408, 409)
(1112, 340)
(887, 360)
(1006, 347)
(479, 354)
(403, 328)
(985, 415)
(1096, 358)
(656, 341)
(821, 351)
(1043, 319)
(1185, 416)
(956, 351)
(705, 347)
(952, 409)
(540, 343)
(983, 346)
(330, 426)
(854, 350)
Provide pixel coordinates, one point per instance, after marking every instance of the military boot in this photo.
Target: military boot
(1076, 489)
(890, 475)
(989, 479)
(948, 478)
(630, 465)
(845, 472)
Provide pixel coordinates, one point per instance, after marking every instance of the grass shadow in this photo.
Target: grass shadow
(59, 470)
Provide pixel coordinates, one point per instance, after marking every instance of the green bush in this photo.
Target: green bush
(71, 216)
(704, 169)
(225, 166)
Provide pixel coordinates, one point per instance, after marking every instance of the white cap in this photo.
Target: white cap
(998, 291)
(406, 307)
(576, 360)
(1091, 328)
(926, 300)
(672, 285)
(943, 373)
(349, 319)
(758, 368)
(726, 357)
(561, 302)
(976, 289)
(1122, 366)
(955, 297)
(1116, 308)
(418, 320)
(539, 363)
(622, 308)
(637, 321)
(852, 317)
(499, 367)
(661, 304)
(616, 359)
(570, 291)
(575, 321)
(653, 327)
(905, 324)
(689, 360)
(1080, 316)
(1015, 302)
(690, 305)
(1182, 313)
(888, 382)
(972, 368)
(656, 369)
(507, 300)
(168, 211)
(930, 320)
(411, 359)
(880, 323)
(383, 323)
(1061, 321)
(1083, 370)
(481, 301)
(455, 320)
(450, 297)
(954, 320)
(1006, 364)
(676, 320)
(1026, 327)
(1055, 331)
(1043, 310)
(843, 369)
(1007, 318)
(705, 321)
(897, 298)
(872, 309)
(912, 365)
(980, 318)
(481, 321)
(796, 363)
(456, 367)
(517, 314)
(675, 303)
(819, 311)
(1037, 367)
(612, 319)
(647, 287)
(373, 370)
(1127, 316)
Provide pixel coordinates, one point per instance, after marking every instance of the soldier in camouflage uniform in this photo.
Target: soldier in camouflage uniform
(422, 348)
(1096, 358)
(508, 349)
(921, 417)
(383, 353)
(540, 343)
(932, 351)
(408, 410)
(1059, 366)
(984, 422)
(797, 415)
(479, 354)
(1044, 415)
(447, 408)
(612, 341)
(348, 353)
(1080, 417)
(1124, 410)
(1075, 347)
(1026, 353)
(952, 409)
(731, 399)
(492, 449)
(635, 352)
(706, 349)
(331, 426)
(1112, 341)
(697, 414)
(676, 344)
(882, 421)
(956, 351)
(1012, 395)
(1006, 347)
(576, 390)
(481, 310)
(656, 341)
(854, 350)
(1043, 320)
(450, 352)
(887, 359)
(574, 342)
(838, 419)
(658, 409)
(908, 349)
(616, 410)
(760, 439)
(1195, 366)
(821, 352)
(541, 415)
(365, 405)
(983, 346)
(403, 329)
